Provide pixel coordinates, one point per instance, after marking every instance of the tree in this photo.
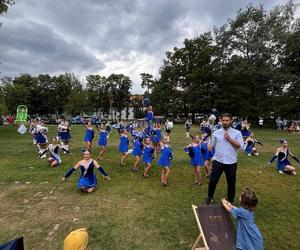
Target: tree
(119, 91)
(147, 81)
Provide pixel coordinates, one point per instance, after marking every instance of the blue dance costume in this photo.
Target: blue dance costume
(103, 138)
(157, 136)
(89, 135)
(123, 146)
(54, 156)
(87, 178)
(166, 156)
(137, 148)
(149, 116)
(195, 154)
(206, 154)
(249, 146)
(41, 138)
(282, 160)
(65, 135)
(148, 154)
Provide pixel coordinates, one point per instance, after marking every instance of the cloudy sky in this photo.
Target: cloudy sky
(104, 36)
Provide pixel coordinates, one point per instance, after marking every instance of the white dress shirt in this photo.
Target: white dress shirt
(224, 151)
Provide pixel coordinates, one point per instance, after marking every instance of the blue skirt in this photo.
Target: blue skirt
(65, 136)
(137, 151)
(102, 141)
(197, 160)
(248, 150)
(164, 161)
(88, 182)
(123, 148)
(40, 139)
(89, 136)
(281, 164)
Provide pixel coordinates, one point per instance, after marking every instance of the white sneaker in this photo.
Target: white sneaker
(280, 172)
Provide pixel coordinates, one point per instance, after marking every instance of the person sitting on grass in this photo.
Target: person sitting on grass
(53, 148)
(283, 164)
(248, 235)
(87, 181)
(250, 148)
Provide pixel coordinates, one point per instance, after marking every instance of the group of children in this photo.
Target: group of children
(150, 143)
(39, 135)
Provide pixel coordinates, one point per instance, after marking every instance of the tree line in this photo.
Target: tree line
(250, 66)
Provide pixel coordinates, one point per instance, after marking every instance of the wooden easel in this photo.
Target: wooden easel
(201, 234)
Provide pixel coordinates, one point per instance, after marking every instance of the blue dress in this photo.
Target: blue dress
(54, 153)
(149, 116)
(148, 154)
(245, 132)
(40, 138)
(137, 148)
(206, 154)
(165, 157)
(87, 178)
(249, 147)
(248, 236)
(197, 158)
(89, 135)
(102, 138)
(157, 137)
(123, 147)
(65, 135)
(282, 160)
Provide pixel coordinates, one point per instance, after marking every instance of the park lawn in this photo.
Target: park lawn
(131, 212)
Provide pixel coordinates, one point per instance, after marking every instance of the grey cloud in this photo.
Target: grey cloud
(56, 36)
(29, 47)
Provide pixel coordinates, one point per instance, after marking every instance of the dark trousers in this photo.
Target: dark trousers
(230, 171)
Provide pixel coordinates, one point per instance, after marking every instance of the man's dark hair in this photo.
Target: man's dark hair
(226, 115)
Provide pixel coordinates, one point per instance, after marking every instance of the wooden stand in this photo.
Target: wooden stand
(201, 234)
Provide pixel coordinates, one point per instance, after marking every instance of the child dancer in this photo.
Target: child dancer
(41, 140)
(157, 137)
(53, 148)
(249, 145)
(89, 135)
(137, 151)
(87, 181)
(194, 151)
(102, 142)
(150, 115)
(147, 156)
(123, 146)
(248, 235)
(283, 164)
(65, 136)
(165, 160)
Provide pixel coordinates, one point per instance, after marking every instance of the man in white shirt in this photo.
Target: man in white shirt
(226, 142)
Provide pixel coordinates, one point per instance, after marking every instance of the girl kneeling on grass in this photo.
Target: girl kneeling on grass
(87, 181)
(165, 160)
(53, 148)
(248, 235)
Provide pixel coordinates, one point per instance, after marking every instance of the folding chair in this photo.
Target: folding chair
(215, 228)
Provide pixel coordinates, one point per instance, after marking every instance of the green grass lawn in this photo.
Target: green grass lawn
(131, 212)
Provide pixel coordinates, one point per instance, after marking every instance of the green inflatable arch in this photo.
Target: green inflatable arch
(22, 113)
